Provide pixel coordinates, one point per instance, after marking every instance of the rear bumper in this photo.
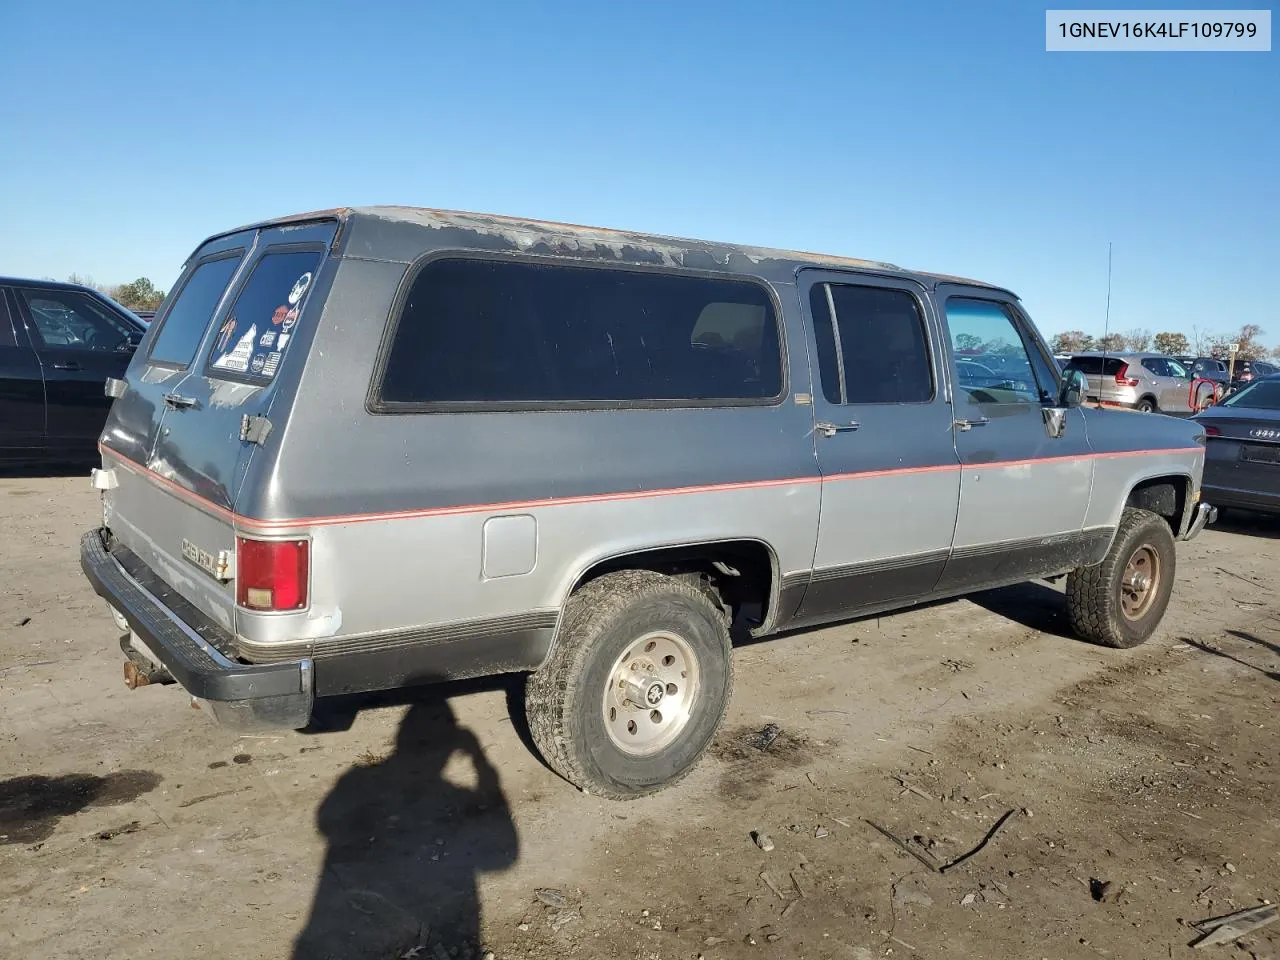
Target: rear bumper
(241, 695)
(1204, 515)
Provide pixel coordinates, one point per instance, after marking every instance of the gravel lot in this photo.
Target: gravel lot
(1144, 785)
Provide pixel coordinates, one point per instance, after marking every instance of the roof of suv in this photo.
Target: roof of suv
(517, 226)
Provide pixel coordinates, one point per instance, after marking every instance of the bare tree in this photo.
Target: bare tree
(1112, 343)
(1172, 344)
(1137, 339)
(1071, 341)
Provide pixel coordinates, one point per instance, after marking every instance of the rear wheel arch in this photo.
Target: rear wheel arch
(1147, 402)
(752, 576)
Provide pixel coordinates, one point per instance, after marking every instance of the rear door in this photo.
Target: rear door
(81, 342)
(21, 388)
(214, 360)
(890, 479)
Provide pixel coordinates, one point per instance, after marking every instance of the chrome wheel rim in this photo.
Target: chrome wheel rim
(1140, 583)
(650, 693)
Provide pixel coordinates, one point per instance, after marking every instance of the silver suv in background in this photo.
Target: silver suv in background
(1148, 382)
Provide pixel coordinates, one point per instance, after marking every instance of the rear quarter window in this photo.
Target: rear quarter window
(257, 331)
(493, 334)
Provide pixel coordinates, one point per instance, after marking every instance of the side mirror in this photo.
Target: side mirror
(1074, 388)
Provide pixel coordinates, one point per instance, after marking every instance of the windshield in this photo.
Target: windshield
(1259, 395)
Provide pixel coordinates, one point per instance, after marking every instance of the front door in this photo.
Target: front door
(81, 343)
(890, 478)
(1023, 491)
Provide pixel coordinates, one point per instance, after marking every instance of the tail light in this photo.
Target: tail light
(1212, 431)
(1123, 379)
(272, 574)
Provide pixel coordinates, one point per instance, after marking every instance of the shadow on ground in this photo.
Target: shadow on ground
(1248, 523)
(407, 837)
(1239, 635)
(1034, 605)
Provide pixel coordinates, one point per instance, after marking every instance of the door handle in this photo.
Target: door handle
(175, 401)
(966, 425)
(66, 365)
(831, 429)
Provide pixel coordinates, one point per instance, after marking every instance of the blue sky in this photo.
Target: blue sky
(937, 136)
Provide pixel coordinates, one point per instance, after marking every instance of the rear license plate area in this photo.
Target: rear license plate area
(1260, 454)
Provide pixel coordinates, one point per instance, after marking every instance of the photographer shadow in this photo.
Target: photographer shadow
(406, 846)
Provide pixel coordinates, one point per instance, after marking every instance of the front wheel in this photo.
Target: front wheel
(1120, 601)
(636, 687)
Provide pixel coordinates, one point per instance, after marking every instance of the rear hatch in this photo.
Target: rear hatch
(207, 369)
(1244, 441)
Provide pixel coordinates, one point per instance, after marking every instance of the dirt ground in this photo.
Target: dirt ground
(1143, 786)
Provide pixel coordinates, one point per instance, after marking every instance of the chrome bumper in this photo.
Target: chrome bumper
(1205, 514)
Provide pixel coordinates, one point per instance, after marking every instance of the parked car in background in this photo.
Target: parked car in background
(597, 451)
(59, 342)
(1207, 368)
(1242, 460)
(1148, 382)
(1246, 371)
(146, 316)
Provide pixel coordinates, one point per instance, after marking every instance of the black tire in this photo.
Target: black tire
(1096, 594)
(1145, 405)
(565, 700)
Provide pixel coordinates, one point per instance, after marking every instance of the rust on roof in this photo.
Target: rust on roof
(582, 232)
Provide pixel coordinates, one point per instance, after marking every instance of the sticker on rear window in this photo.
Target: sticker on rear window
(237, 358)
(252, 339)
(299, 288)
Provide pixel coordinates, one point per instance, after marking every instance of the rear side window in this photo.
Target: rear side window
(874, 349)
(183, 326)
(478, 332)
(262, 323)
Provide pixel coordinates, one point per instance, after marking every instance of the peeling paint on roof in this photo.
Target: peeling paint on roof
(526, 233)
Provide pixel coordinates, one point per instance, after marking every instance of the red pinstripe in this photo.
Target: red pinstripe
(268, 526)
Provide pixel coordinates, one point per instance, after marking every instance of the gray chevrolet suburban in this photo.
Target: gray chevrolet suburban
(366, 448)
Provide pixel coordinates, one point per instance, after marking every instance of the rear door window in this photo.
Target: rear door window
(257, 330)
(874, 349)
(183, 325)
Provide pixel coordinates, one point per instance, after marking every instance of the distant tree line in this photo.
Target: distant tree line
(1200, 344)
(141, 294)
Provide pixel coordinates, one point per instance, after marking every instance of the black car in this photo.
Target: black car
(1242, 460)
(59, 342)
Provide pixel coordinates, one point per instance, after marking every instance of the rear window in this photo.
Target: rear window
(478, 332)
(259, 327)
(184, 324)
(1094, 367)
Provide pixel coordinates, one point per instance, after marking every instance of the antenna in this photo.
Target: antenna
(1106, 327)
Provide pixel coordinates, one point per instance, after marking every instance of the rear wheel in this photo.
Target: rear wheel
(636, 687)
(1145, 405)
(1121, 601)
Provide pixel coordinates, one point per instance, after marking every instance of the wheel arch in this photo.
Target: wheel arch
(755, 560)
